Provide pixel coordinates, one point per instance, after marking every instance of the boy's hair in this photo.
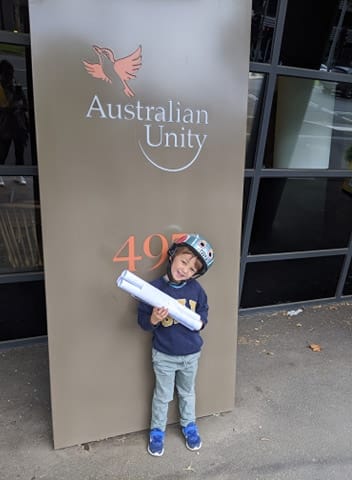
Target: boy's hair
(183, 249)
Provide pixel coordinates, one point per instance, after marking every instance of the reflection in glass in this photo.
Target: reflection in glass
(23, 312)
(297, 214)
(310, 126)
(286, 281)
(14, 16)
(255, 101)
(15, 131)
(338, 50)
(262, 29)
(20, 238)
(307, 32)
(348, 284)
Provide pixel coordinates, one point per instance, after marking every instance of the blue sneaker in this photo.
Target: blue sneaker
(156, 442)
(190, 432)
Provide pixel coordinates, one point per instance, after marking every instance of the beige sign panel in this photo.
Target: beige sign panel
(140, 114)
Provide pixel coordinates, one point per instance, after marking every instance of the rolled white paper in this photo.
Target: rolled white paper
(142, 290)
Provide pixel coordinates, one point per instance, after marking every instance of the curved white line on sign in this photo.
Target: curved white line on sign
(168, 169)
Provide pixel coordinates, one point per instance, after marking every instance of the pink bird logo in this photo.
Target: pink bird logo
(125, 68)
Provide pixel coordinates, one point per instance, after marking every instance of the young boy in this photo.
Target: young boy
(176, 349)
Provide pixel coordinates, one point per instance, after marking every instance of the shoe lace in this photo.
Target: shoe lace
(156, 436)
(191, 431)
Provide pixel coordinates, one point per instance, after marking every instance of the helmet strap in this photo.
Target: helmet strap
(170, 280)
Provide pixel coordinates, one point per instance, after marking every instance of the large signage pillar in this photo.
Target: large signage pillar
(141, 125)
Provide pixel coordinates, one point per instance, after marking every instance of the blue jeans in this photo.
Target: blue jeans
(174, 371)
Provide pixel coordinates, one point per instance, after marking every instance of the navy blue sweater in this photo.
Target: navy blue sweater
(169, 336)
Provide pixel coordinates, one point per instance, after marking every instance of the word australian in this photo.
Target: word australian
(157, 118)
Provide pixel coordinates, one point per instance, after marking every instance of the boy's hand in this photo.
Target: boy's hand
(158, 314)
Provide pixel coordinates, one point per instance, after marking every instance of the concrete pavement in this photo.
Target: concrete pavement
(292, 418)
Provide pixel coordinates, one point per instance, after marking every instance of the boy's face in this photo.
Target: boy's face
(183, 267)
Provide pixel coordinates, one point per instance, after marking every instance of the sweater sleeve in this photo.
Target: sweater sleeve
(202, 307)
(144, 313)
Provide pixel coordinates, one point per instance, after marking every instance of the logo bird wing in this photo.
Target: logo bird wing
(127, 67)
(96, 70)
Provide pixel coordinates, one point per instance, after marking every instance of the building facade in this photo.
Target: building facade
(297, 197)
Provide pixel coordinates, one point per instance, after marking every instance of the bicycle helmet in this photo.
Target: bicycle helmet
(199, 246)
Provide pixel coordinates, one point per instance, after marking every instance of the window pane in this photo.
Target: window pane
(287, 281)
(262, 31)
(255, 101)
(348, 285)
(307, 32)
(20, 238)
(297, 214)
(14, 16)
(310, 126)
(16, 107)
(23, 313)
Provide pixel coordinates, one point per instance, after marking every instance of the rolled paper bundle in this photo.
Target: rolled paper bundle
(142, 290)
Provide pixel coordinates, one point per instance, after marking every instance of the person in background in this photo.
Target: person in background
(13, 118)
